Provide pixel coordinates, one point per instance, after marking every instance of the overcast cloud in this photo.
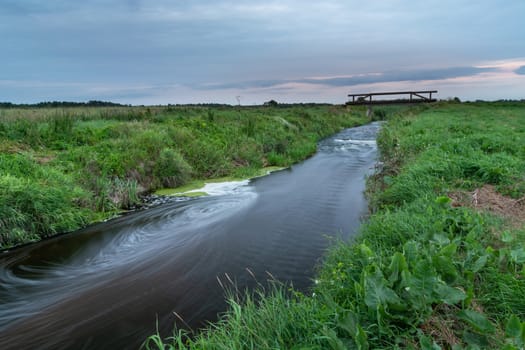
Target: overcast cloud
(161, 51)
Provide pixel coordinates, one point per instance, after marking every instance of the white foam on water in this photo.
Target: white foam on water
(223, 188)
(142, 242)
(356, 142)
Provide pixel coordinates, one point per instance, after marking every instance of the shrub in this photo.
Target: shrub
(171, 169)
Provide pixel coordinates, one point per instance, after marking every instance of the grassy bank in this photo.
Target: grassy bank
(439, 264)
(63, 168)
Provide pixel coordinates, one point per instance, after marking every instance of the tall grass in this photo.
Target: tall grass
(103, 159)
(277, 319)
(37, 201)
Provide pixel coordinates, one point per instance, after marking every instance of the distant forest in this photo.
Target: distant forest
(95, 103)
(54, 104)
(271, 103)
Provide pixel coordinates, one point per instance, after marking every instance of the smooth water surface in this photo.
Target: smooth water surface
(105, 287)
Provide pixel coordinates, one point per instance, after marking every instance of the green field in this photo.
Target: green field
(63, 168)
(438, 265)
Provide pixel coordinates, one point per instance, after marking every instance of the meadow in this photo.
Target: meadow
(439, 264)
(64, 166)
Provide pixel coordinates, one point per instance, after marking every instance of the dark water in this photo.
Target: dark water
(106, 286)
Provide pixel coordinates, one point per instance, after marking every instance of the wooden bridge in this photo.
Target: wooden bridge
(410, 97)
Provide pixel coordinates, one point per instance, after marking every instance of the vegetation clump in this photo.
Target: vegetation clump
(64, 165)
(432, 268)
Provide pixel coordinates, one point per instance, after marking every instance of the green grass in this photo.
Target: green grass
(37, 201)
(276, 319)
(424, 273)
(63, 168)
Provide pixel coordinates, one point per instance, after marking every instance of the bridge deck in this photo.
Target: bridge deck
(412, 97)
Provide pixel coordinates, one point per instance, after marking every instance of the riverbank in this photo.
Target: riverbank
(438, 265)
(61, 169)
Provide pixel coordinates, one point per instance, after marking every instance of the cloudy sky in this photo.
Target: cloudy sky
(192, 51)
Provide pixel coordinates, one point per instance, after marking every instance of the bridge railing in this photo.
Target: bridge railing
(410, 97)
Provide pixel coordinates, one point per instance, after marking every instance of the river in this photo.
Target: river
(107, 286)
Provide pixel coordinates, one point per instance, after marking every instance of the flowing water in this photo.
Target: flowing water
(106, 287)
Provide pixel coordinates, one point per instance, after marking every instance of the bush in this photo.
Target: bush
(171, 169)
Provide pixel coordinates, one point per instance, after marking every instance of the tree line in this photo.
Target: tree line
(55, 104)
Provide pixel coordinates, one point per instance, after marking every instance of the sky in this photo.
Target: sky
(222, 51)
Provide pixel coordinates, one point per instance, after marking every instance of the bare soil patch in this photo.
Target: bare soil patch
(488, 199)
